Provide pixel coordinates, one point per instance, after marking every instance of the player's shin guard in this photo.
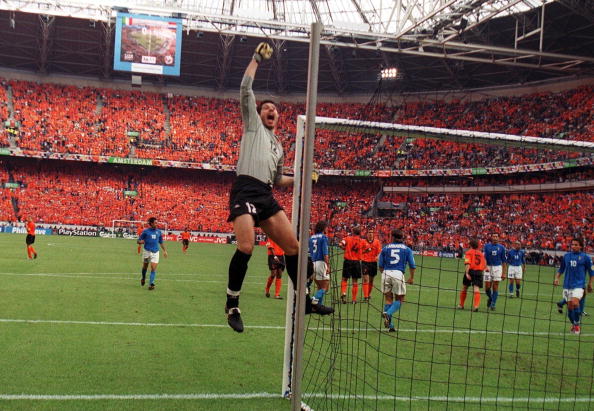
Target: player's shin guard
(574, 316)
(476, 300)
(143, 273)
(319, 297)
(29, 251)
(355, 290)
(291, 261)
(277, 286)
(462, 297)
(269, 283)
(395, 306)
(511, 287)
(343, 286)
(152, 278)
(237, 270)
(488, 292)
(494, 297)
(365, 290)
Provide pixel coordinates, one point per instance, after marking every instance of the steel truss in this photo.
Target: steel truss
(427, 28)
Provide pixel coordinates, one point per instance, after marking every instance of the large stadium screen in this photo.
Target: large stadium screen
(147, 44)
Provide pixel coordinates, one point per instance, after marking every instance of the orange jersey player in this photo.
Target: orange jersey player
(475, 263)
(351, 267)
(139, 231)
(370, 250)
(276, 265)
(30, 239)
(185, 237)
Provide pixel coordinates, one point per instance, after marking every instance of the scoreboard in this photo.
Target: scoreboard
(147, 44)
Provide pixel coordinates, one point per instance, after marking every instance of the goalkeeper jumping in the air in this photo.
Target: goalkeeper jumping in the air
(251, 201)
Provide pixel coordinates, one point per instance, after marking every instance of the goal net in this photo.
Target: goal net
(534, 193)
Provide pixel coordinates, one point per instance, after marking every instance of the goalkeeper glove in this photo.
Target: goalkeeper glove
(263, 51)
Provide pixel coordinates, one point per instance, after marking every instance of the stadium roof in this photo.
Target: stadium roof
(436, 45)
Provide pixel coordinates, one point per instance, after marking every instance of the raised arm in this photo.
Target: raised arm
(247, 98)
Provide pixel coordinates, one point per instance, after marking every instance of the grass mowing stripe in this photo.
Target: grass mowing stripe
(278, 327)
(258, 395)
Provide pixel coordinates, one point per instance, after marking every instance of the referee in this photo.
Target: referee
(251, 202)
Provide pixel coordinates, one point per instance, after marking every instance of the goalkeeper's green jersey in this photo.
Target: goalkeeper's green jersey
(261, 153)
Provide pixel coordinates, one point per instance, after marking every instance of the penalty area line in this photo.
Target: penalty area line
(267, 395)
(282, 327)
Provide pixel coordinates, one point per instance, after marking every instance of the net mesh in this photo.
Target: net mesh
(520, 355)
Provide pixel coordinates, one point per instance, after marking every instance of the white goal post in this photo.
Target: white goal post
(130, 233)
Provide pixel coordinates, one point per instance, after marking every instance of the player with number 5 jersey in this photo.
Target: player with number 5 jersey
(392, 264)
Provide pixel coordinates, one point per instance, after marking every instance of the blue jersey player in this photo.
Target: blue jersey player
(575, 265)
(495, 256)
(392, 263)
(318, 251)
(516, 267)
(151, 238)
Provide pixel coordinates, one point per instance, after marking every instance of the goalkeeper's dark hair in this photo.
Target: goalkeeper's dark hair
(152, 220)
(397, 235)
(259, 106)
(320, 227)
(474, 243)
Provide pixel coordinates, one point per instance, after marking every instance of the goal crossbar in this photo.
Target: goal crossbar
(466, 136)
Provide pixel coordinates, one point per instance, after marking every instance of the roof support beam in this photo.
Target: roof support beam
(224, 59)
(45, 42)
(106, 45)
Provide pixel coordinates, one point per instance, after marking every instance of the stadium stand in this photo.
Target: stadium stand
(69, 119)
(86, 194)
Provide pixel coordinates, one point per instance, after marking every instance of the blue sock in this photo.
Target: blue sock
(495, 295)
(573, 316)
(582, 304)
(562, 302)
(488, 292)
(518, 287)
(153, 275)
(395, 306)
(320, 296)
(387, 307)
(144, 273)
(511, 287)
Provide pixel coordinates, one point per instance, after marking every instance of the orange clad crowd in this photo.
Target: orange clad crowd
(68, 119)
(56, 192)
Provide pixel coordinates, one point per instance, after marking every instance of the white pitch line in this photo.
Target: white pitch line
(261, 395)
(281, 327)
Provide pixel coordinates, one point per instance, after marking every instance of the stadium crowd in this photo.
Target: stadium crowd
(68, 119)
(94, 194)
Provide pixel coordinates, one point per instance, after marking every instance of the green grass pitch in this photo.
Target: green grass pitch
(75, 322)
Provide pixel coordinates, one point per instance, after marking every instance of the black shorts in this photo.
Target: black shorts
(476, 278)
(251, 196)
(369, 268)
(276, 265)
(186, 242)
(30, 239)
(351, 269)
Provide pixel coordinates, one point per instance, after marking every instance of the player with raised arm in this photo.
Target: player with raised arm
(318, 250)
(392, 263)
(276, 265)
(351, 267)
(370, 249)
(516, 267)
(185, 238)
(495, 256)
(152, 238)
(251, 201)
(474, 264)
(575, 265)
(30, 239)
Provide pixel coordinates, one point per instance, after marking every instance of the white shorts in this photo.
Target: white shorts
(493, 274)
(514, 271)
(393, 281)
(150, 257)
(321, 270)
(571, 293)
